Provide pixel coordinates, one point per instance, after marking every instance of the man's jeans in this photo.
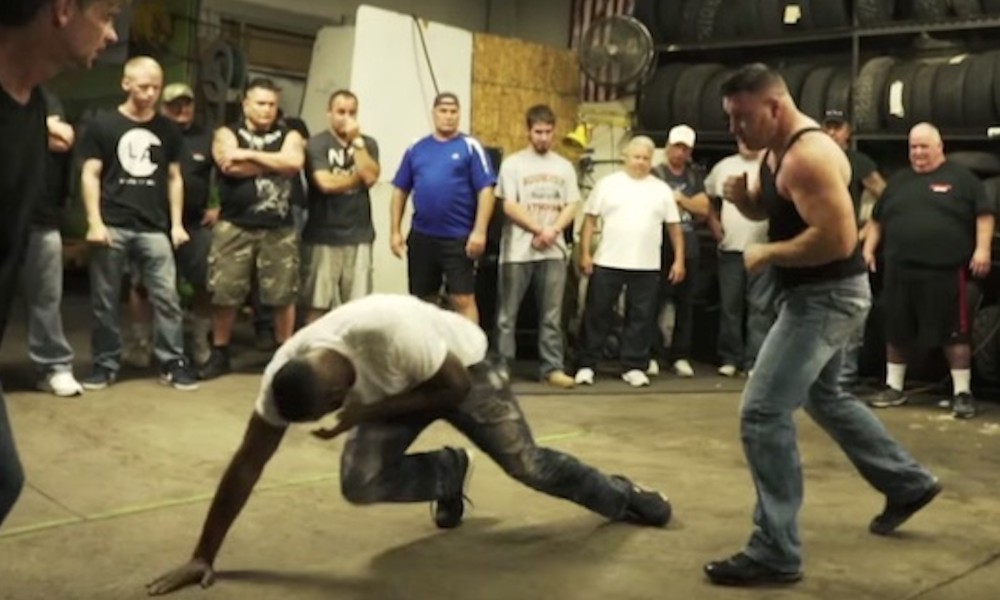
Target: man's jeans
(154, 256)
(640, 310)
(376, 468)
(550, 283)
(42, 282)
(681, 295)
(11, 473)
(799, 365)
(743, 296)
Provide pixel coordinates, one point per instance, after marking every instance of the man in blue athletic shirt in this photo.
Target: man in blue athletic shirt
(451, 180)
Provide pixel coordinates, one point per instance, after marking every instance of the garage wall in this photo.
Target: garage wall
(545, 22)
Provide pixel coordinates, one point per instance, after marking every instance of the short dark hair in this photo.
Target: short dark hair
(338, 94)
(752, 78)
(297, 390)
(261, 83)
(540, 113)
(446, 98)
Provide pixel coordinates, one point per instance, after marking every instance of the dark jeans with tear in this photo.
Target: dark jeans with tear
(375, 466)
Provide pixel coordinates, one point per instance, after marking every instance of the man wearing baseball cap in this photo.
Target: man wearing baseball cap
(864, 178)
(689, 188)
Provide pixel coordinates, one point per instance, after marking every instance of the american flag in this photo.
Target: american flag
(586, 12)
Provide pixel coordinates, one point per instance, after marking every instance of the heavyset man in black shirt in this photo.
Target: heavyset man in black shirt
(38, 38)
(824, 298)
(935, 225)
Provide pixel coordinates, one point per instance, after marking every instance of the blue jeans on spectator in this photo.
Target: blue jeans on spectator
(153, 254)
(11, 473)
(549, 277)
(746, 301)
(640, 311)
(376, 468)
(798, 366)
(42, 282)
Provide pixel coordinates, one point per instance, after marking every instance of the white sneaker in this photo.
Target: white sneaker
(683, 368)
(61, 383)
(727, 370)
(584, 376)
(635, 378)
(653, 369)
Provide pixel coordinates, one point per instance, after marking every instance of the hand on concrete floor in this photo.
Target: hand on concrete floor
(195, 571)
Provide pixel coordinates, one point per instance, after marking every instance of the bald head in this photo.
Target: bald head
(142, 80)
(140, 65)
(926, 148)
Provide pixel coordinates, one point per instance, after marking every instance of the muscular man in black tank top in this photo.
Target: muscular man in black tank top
(803, 192)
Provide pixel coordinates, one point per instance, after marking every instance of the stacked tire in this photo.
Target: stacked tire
(956, 93)
(692, 94)
(706, 20)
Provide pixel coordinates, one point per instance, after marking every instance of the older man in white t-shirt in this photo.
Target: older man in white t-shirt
(746, 299)
(540, 196)
(632, 206)
(393, 365)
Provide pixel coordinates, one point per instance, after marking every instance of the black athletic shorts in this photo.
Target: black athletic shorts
(928, 308)
(432, 260)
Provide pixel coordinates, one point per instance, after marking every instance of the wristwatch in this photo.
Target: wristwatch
(358, 143)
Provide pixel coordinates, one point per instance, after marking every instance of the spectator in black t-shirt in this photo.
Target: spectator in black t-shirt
(257, 160)
(42, 275)
(865, 177)
(134, 195)
(338, 236)
(935, 225)
(689, 188)
(37, 40)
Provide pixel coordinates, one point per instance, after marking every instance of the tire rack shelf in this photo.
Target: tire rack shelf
(842, 34)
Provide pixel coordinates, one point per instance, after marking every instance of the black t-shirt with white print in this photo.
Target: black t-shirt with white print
(135, 168)
(264, 201)
(929, 219)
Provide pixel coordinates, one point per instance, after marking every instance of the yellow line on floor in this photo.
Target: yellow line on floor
(135, 509)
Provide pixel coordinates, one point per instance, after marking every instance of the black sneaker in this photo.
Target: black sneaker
(216, 366)
(645, 507)
(895, 515)
(964, 406)
(179, 375)
(740, 569)
(99, 378)
(448, 511)
(886, 398)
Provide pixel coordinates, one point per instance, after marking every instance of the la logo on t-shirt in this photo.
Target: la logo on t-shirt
(135, 153)
(941, 188)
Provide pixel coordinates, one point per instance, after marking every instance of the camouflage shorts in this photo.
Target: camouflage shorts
(237, 251)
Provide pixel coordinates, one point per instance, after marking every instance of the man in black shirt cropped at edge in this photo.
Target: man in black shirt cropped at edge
(935, 224)
(824, 298)
(38, 38)
(865, 177)
(133, 193)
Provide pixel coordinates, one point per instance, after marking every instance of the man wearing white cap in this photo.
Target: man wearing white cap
(689, 190)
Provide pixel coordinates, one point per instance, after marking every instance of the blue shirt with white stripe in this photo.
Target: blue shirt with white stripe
(445, 178)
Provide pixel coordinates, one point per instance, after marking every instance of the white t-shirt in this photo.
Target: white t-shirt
(738, 231)
(543, 184)
(633, 212)
(394, 342)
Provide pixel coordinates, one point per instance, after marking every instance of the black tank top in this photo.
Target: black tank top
(785, 223)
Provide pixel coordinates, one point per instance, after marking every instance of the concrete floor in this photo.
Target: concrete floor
(119, 482)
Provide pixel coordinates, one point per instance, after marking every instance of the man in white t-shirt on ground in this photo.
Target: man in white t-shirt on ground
(540, 196)
(633, 206)
(746, 299)
(393, 365)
